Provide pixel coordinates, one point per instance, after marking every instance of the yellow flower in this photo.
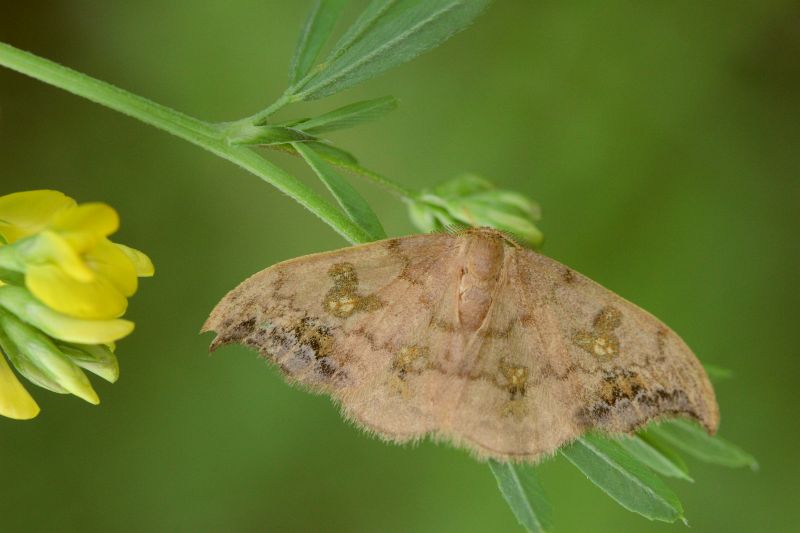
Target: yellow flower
(66, 285)
(26, 213)
(69, 263)
(15, 402)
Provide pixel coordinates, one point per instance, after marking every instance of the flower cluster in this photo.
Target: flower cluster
(63, 288)
(470, 200)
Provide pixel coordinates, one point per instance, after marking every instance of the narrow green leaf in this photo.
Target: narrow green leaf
(351, 201)
(625, 479)
(521, 489)
(318, 27)
(267, 135)
(717, 373)
(349, 115)
(693, 440)
(333, 154)
(328, 152)
(661, 459)
(388, 33)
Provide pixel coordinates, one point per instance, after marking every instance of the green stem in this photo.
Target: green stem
(260, 118)
(188, 128)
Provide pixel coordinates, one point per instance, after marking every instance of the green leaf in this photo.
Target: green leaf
(388, 33)
(351, 201)
(266, 135)
(621, 476)
(328, 152)
(693, 440)
(521, 489)
(717, 373)
(349, 115)
(661, 459)
(316, 30)
(333, 154)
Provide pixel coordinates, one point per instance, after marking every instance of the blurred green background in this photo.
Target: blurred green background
(661, 138)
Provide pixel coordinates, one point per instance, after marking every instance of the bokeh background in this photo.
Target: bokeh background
(662, 140)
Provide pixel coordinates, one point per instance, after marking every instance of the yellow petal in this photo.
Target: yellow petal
(25, 213)
(142, 263)
(51, 248)
(70, 329)
(110, 262)
(95, 299)
(15, 402)
(85, 220)
(58, 325)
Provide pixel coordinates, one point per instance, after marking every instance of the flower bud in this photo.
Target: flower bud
(470, 200)
(41, 353)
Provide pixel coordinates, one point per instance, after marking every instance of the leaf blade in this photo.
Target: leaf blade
(693, 440)
(661, 460)
(351, 201)
(317, 28)
(717, 373)
(266, 135)
(623, 478)
(349, 115)
(522, 491)
(390, 32)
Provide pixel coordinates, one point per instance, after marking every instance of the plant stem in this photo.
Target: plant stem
(260, 118)
(184, 126)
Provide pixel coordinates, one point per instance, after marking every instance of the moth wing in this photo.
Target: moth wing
(356, 324)
(561, 355)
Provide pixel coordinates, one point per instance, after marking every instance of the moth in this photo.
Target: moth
(468, 338)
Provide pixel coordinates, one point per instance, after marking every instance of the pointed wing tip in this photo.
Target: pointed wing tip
(215, 345)
(210, 326)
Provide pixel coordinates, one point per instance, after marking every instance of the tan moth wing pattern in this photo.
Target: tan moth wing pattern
(467, 338)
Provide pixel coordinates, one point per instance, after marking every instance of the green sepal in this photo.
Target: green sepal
(39, 352)
(96, 358)
(26, 367)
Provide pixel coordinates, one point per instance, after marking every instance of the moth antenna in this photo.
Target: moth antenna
(452, 229)
(511, 237)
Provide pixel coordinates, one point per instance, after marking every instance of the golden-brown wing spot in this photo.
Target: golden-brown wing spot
(409, 360)
(601, 341)
(516, 381)
(621, 385)
(343, 300)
